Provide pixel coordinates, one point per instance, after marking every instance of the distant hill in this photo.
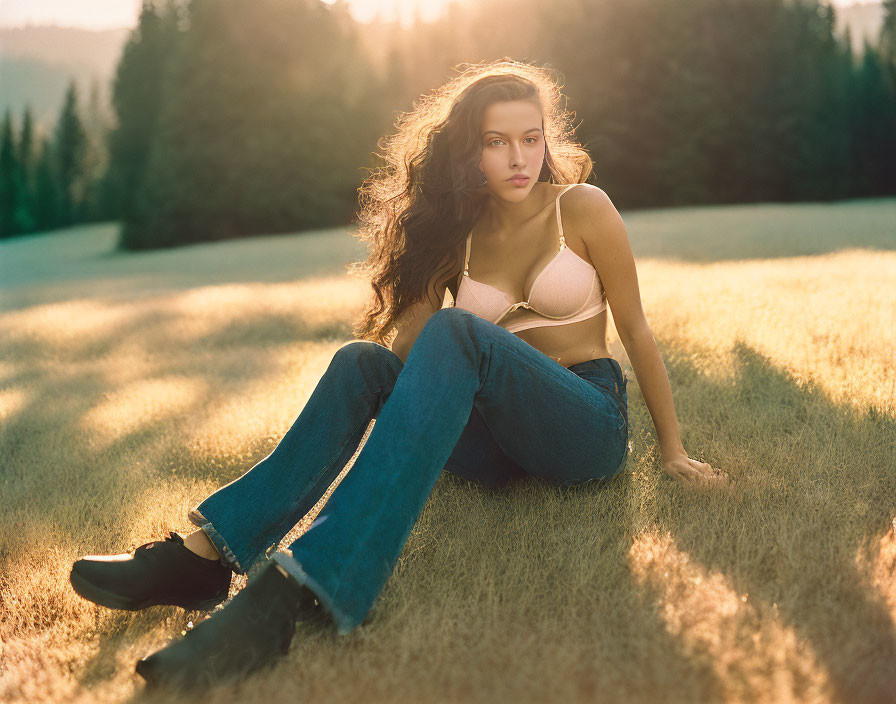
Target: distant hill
(37, 62)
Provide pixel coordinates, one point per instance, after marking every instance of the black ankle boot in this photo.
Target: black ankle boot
(252, 631)
(162, 572)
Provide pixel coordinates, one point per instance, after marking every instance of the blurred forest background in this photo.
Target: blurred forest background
(235, 118)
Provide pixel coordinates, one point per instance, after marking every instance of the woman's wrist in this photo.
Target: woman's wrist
(670, 452)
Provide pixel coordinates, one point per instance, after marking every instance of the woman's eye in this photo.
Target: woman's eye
(534, 139)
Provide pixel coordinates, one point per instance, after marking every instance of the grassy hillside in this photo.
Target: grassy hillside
(133, 385)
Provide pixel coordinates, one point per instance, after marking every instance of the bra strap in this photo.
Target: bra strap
(559, 221)
(465, 271)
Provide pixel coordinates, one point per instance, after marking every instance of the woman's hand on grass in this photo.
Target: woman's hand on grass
(693, 472)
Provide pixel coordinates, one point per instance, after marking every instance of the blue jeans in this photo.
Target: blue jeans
(472, 398)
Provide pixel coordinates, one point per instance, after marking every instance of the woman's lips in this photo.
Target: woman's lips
(519, 180)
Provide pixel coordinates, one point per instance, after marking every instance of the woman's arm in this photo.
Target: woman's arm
(653, 381)
(410, 323)
(592, 215)
(414, 317)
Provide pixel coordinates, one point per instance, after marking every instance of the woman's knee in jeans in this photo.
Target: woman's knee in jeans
(453, 321)
(366, 367)
(365, 353)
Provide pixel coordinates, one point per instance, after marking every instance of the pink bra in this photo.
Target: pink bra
(567, 290)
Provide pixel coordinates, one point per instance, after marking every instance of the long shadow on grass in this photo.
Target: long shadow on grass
(158, 332)
(817, 491)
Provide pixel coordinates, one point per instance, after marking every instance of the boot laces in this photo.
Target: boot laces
(172, 538)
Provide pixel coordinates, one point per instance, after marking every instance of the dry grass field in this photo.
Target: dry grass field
(133, 385)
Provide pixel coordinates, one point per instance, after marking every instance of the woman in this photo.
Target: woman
(513, 380)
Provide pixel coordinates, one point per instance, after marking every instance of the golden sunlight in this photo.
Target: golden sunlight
(878, 564)
(11, 401)
(400, 10)
(107, 14)
(745, 642)
(133, 406)
(796, 311)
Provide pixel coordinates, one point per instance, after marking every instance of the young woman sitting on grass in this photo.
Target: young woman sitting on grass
(509, 378)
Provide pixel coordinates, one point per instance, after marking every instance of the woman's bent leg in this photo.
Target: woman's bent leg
(550, 421)
(248, 515)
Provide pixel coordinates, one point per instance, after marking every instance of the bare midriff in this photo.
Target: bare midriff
(570, 343)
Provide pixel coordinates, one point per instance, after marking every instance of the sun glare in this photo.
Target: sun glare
(109, 14)
(401, 10)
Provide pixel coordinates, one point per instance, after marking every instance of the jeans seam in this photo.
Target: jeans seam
(342, 447)
(488, 367)
(229, 557)
(373, 520)
(354, 554)
(309, 485)
(621, 404)
(371, 525)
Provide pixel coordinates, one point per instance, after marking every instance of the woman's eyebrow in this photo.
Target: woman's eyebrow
(532, 129)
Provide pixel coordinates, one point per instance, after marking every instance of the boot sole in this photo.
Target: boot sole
(112, 600)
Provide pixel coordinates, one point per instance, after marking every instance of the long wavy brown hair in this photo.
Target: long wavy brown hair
(415, 211)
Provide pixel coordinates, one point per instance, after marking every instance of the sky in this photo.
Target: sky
(105, 14)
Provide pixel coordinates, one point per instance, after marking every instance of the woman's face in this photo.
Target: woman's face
(512, 144)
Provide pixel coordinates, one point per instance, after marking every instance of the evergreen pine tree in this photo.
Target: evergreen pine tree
(136, 101)
(46, 188)
(69, 151)
(28, 164)
(10, 183)
(874, 128)
(96, 127)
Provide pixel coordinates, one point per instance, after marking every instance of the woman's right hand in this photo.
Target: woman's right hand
(693, 472)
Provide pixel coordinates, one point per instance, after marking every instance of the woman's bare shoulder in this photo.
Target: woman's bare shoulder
(583, 201)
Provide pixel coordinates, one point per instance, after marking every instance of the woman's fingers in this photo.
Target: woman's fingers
(703, 472)
(694, 472)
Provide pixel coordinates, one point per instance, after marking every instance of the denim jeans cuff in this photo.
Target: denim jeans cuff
(226, 556)
(345, 624)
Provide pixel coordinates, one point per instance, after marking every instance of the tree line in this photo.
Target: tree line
(235, 118)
